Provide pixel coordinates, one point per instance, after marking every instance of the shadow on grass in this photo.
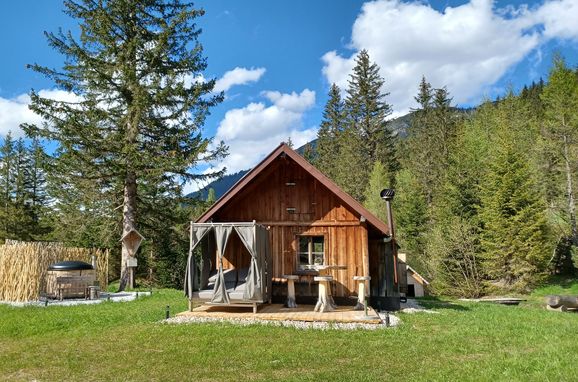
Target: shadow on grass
(434, 302)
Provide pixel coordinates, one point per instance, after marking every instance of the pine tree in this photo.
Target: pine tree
(309, 153)
(444, 122)
(350, 174)
(21, 173)
(432, 135)
(418, 157)
(367, 111)
(328, 136)
(38, 198)
(411, 218)
(378, 180)
(451, 239)
(7, 183)
(136, 119)
(515, 237)
(211, 197)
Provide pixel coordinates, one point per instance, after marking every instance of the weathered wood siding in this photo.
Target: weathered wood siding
(317, 211)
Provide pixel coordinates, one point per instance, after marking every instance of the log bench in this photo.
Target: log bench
(75, 285)
(561, 303)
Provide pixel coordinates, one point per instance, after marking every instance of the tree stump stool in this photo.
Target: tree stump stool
(325, 301)
(361, 291)
(291, 303)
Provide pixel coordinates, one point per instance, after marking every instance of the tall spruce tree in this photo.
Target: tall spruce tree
(7, 185)
(515, 238)
(452, 239)
(367, 111)
(136, 119)
(432, 135)
(445, 126)
(38, 199)
(426, 163)
(328, 136)
(411, 217)
(351, 167)
(418, 157)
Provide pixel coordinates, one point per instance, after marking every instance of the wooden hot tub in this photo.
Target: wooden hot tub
(69, 279)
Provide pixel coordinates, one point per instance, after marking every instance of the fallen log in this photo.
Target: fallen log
(561, 303)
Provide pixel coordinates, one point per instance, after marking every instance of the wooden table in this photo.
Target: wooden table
(325, 301)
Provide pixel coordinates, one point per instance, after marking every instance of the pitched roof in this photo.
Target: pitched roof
(424, 281)
(284, 149)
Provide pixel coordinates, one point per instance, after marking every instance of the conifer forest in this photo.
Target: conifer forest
(485, 196)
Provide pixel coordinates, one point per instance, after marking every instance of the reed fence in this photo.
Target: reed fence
(23, 267)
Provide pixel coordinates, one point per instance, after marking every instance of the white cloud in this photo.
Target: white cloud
(15, 111)
(254, 130)
(189, 79)
(467, 48)
(559, 18)
(238, 76)
(292, 102)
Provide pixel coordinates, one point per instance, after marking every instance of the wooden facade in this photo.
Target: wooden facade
(293, 199)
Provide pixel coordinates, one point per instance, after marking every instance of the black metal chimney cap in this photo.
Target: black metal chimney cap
(387, 193)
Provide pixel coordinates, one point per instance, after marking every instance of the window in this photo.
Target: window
(311, 250)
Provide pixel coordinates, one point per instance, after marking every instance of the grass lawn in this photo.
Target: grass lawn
(125, 341)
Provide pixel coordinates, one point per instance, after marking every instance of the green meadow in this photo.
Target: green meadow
(128, 341)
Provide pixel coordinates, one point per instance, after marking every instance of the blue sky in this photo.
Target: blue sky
(275, 60)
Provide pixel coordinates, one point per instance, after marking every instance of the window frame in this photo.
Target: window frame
(310, 252)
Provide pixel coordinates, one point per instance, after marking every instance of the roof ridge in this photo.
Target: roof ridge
(322, 178)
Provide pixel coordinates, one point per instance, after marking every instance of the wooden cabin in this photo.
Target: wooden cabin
(310, 221)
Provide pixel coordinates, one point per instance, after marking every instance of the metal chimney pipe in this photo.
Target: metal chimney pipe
(387, 195)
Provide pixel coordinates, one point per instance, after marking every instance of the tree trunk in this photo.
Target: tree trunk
(133, 113)
(570, 191)
(128, 224)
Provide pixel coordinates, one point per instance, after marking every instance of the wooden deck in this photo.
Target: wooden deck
(277, 312)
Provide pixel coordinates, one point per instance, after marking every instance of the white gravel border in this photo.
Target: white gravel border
(104, 296)
(412, 307)
(304, 325)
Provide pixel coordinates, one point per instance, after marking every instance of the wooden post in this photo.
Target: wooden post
(365, 255)
(131, 278)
